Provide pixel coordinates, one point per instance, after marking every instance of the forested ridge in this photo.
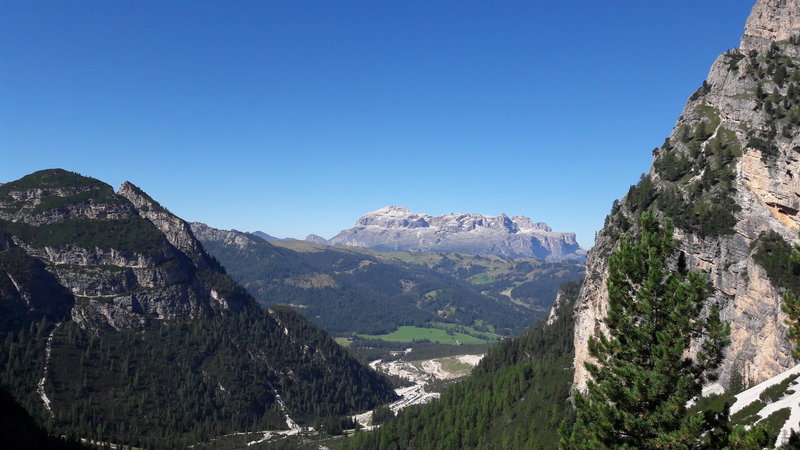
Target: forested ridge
(177, 384)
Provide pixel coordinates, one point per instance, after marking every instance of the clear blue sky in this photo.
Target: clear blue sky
(297, 117)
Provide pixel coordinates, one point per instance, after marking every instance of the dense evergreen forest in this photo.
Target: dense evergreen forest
(178, 384)
(18, 430)
(516, 397)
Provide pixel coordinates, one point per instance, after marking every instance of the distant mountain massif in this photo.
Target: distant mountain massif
(117, 326)
(395, 228)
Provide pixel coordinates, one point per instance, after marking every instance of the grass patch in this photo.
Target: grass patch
(133, 234)
(714, 402)
(51, 178)
(453, 365)
(710, 113)
(482, 278)
(343, 341)
(465, 330)
(410, 334)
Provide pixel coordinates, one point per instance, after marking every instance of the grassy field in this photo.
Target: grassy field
(453, 365)
(465, 330)
(482, 278)
(343, 341)
(408, 334)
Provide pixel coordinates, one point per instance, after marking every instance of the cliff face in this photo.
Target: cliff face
(771, 21)
(116, 260)
(397, 229)
(727, 175)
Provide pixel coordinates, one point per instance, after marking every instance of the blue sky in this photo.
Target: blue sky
(297, 117)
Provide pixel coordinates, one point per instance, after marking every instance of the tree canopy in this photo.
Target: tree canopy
(643, 377)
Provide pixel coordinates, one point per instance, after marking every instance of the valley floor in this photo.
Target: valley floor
(422, 373)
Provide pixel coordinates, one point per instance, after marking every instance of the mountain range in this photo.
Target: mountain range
(395, 228)
(350, 290)
(117, 326)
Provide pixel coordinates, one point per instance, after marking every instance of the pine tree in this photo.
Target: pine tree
(791, 306)
(642, 378)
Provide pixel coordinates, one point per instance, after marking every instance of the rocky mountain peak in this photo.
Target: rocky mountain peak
(115, 261)
(53, 196)
(525, 223)
(727, 178)
(392, 210)
(771, 21)
(264, 236)
(177, 231)
(393, 217)
(317, 239)
(395, 228)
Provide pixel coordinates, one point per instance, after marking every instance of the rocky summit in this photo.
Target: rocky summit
(115, 260)
(727, 176)
(395, 228)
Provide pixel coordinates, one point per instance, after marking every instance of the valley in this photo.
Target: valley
(422, 374)
(360, 293)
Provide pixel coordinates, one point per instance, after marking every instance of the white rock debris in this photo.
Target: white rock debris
(420, 373)
(791, 401)
(40, 388)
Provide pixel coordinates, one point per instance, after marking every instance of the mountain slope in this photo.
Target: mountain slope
(117, 326)
(397, 229)
(727, 177)
(118, 268)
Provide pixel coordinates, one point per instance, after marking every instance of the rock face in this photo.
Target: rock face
(238, 240)
(113, 260)
(727, 174)
(396, 228)
(771, 21)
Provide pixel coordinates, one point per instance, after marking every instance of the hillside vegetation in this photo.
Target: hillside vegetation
(516, 398)
(351, 292)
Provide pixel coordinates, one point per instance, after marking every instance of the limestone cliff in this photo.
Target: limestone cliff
(116, 260)
(395, 228)
(726, 175)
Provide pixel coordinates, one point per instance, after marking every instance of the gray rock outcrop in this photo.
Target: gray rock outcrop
(771, 21)
(316, 239)
(122, 259)
(733, 151)
(396, 228)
